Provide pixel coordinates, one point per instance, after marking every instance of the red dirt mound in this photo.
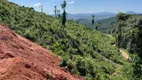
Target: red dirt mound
(21, 59)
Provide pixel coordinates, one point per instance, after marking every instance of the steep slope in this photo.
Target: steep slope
(84, 51)
(21, 59)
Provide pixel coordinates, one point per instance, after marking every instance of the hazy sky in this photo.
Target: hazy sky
(85, 6)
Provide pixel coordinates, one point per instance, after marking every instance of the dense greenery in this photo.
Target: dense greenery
(105, 25)
(129, 36)
(127, 29)
(85, 52)
(129, 32)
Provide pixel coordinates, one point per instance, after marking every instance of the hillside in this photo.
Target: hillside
(25, 60)
(84, 51)
(107, 25)
(98, 16)
(127, 29)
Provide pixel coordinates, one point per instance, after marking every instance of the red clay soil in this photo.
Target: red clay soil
(21, 59)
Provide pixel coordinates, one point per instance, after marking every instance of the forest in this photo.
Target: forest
(88, 52)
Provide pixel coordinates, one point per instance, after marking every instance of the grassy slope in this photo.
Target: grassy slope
(85, 52)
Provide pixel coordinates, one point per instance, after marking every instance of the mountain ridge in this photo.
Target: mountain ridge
(98, 16)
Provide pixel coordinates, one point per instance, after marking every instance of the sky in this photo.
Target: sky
(84, 6)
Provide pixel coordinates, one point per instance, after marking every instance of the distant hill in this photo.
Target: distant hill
(104, 18)
(109, 25)
(98, 16)
(132, 12)
(86, 18)
(106, 25)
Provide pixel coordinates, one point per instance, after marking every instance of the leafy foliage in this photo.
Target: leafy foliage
(129, 30)
(130, 37)
(107, 25)
(85, 52)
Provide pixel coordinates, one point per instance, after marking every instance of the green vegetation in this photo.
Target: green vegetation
(129, 32)
(85, 52)
(107, 25)
(127, 29)
(129, 36)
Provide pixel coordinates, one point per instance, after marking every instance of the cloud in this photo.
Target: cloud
(37, 4)
(71, 2)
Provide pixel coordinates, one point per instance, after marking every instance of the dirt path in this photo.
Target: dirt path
(125, 55)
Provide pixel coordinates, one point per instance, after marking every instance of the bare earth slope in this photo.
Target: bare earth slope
(126, 56)
(21, 59)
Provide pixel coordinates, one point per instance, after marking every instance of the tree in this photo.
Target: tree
(139, 25)
(97, 25)
(118, 38)
(64, 13)
(93, 20)
(55, 10)
(121, 17)
(129, 35)
(58, 11)
(41, 6)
